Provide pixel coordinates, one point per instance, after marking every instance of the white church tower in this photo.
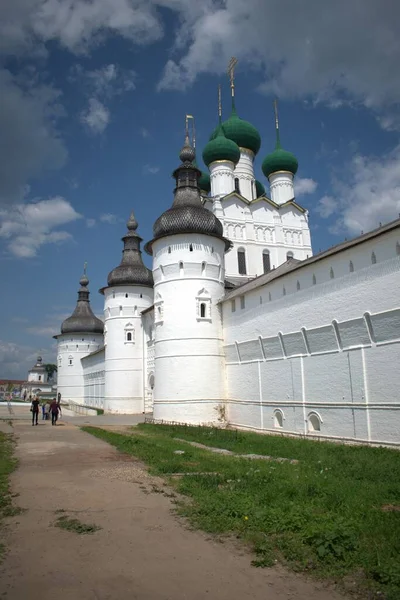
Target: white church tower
(188, 268)
(81, 334)
(128, 293)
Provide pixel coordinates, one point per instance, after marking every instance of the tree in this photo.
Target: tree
(50, 370)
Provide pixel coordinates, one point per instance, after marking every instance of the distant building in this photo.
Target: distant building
(38, 383)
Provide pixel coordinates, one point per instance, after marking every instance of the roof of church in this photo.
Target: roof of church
(131, 270)
(39, 367)
(243, 133)
(187, 214)
(82, 319)
(293, 264)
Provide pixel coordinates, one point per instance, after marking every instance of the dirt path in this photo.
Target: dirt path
(142, 551)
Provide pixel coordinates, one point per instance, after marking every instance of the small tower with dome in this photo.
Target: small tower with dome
(38, 372)
(248, 140)
(280, 167)
(81, 334)
(129, 291)
(221, 155)
(188, 250)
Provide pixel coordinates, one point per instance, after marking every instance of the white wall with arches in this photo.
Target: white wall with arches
(312, 352)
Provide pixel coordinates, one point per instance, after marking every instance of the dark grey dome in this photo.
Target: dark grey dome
(187, 219)
(82, 319)
(187, 214)
(131, 271)
(39, 367)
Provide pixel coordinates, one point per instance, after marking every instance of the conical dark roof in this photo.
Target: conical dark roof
(82, 319)
(131, 271)
(187, 214)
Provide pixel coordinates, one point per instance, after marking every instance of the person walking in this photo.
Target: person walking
(43, 411)
(54, 411)
(35, 410)
(47, 410)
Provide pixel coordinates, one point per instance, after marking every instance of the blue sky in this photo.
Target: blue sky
(92, 110)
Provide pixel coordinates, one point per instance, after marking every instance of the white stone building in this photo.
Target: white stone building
(239, 323)
(38, 383)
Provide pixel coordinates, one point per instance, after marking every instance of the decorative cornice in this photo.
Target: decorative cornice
(277, 172)
(247, 151)
(221, 161)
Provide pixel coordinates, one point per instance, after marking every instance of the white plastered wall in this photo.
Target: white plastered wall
(124, 353)
(94, 378)
(189, 362)
(71, 349)
(320, 345)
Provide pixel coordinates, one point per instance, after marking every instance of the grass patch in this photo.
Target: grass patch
(325, 515)
(75, 525)
(7, 465)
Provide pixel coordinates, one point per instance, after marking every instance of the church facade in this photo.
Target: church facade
(238, 322)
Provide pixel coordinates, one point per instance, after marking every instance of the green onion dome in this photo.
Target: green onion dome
(243, 133)
(260, 189)
(204, 182)
(221, 148)
(279, 160)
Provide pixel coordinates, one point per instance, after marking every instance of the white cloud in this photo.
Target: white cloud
(90, 223)
(96, 117)
(369, 196)
(150, 169)
(327, 206)
(111, 80)
(109, 218)
(45, 330)
(144, 133)
(17, 359)
(304, 186)
(27, 227)
(325, 56)
(74, 24)
(29, 140)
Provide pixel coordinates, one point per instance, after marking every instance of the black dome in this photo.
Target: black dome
(131, 271)
(82, 319)
(187, 214)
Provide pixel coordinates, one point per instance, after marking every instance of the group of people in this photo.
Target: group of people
(52, 408)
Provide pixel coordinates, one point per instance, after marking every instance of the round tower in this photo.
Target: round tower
(128, 293)
(188, 267)
(280, 167)
(81, 334)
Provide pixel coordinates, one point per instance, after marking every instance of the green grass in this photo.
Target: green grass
(75, 525)
(7, 466)
(325, 515)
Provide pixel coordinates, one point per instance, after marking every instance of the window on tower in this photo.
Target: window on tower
(241, 255)
(129, 337)
(237, 186)
(202, 310)
(266, 261)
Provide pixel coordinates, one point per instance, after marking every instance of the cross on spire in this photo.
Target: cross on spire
(231, 72)
(278, 141)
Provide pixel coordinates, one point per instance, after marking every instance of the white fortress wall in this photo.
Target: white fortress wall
(315, 351)
(93, 377)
